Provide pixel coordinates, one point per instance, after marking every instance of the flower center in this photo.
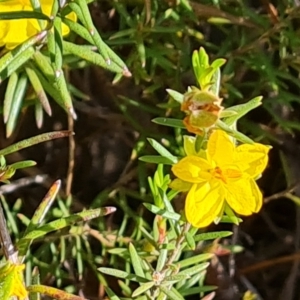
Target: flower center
(218, 174)
(225, 174)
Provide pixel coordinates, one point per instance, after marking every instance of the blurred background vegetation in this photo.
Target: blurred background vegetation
(155, 38)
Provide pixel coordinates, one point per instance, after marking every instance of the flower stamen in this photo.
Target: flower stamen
(218, 174)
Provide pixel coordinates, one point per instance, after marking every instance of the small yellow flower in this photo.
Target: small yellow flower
(15, 32)
(11, 281)
(227, 175)
(19, 289)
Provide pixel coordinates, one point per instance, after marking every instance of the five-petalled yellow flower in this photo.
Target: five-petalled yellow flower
(225, 176)
(17, 31)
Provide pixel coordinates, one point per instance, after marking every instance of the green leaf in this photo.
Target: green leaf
(294, 198)
(156, 159)
(23, 164)
(122, 274)
(216, 82)
(90, 56)
(159, 178)
(162, 150)
(136, 261)
(236, 134)
(175, 278)
(143, 288)
(12, 60)
(34, 140)
(39, 114)
(125, 288)
(15, 15)
(198, 290)
(190, 241)
(55, 48)
(163, 255)
(176, 95)
(231, 215)
(122, 33)
(200, 140)
(196, 65)
(58, 59)
(243, 109)
(16, 63)
(49, 85)
(51, 292)
(195, 260)
(64, 222)
(111, 294)
(189, 145)
(226, 219)
(195, 269)
(43, 63)
(65, 101)
(160, 59)
(85, 34)
(162, 212)
(39, 215)
(79, 29)
(9, 95)
(86, 20)
(212, 235)
(35, 280)
(218, 63)
(16, 105)
(177, 123)
(39, 90)
(141, 51)
(227, 113)
(36, 5)
(172, 294)
(119, 251)
(203, 59)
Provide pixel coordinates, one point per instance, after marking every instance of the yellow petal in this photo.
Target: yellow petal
(47, 7)
(15, 32)
(204, 203)
(11, 4)
(243, 196)
(180, 185)
(19, 289)
(252, 158)
(220, 148)
(3, 31)
(189, 145)
(192, 169)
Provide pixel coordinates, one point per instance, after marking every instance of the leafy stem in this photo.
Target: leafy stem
(178, 248)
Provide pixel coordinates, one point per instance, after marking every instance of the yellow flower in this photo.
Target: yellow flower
(19, 289)
(11, 281)
(227, 175)
(15, 32)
